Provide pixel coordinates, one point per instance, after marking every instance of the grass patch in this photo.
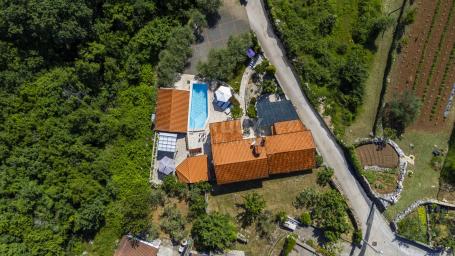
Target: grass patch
(412, 227)
(279, 193)
(364, 121)
(424, 182)
(382, 182)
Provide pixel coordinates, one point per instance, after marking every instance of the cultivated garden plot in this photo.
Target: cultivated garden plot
(430, 224)
(425, 62)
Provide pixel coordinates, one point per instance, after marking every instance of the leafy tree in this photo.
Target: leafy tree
(197, 21)
(174, 57)
(172, 223)
(324, 176)
(327, 23)
(401, 111)
(222, 63)
(214, 232)
(209, 6)
(262, 67)
(253, 205)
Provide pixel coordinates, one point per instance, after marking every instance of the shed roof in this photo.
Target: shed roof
(172, 110)
(127, 247)
(193, 169)
(226, 131)
(288, 127)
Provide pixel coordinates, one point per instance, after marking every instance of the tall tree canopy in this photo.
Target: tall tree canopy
(77, 88)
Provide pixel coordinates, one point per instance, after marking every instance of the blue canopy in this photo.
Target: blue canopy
(250, 53)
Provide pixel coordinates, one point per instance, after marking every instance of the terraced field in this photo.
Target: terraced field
(426, 63)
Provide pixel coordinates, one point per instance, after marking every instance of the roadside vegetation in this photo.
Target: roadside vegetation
(77, 88)
(331, 45)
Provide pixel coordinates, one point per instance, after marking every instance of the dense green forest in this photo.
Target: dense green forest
(330, 43)
(77, 83)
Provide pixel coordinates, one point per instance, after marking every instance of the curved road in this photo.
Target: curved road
(375, 228)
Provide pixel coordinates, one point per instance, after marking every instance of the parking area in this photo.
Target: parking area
(272, 109)
(232, 20)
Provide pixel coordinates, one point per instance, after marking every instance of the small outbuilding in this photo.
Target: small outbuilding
(193, 169)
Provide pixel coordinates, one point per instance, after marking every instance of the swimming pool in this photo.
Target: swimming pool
(199, 106)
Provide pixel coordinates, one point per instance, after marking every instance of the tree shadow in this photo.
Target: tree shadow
(212, 19)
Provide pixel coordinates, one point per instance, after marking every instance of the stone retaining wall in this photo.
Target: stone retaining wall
(391, 198)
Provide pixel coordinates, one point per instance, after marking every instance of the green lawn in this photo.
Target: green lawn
(279, 194)
(424, 183)
(364, 122)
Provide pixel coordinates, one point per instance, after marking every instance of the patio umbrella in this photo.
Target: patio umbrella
(223, 94)
(166, 165)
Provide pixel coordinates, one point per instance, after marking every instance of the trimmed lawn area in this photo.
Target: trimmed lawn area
(363, 123)
(424, 182)
(279, 193)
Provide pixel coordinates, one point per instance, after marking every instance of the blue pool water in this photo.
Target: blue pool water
(199, 107)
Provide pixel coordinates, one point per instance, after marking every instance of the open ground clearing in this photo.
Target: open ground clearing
(278, 192)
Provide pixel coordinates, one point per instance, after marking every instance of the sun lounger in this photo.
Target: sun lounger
(225, 105)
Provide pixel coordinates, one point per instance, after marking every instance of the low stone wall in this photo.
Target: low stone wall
(416, 204)
(391, 198)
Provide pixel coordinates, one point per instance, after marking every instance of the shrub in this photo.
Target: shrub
(157, 197)
(324, 176)
(280, 217)
(265, 225)
(409, 17)
(173, 187)
(251, 111)
(289, 244)
(319, 160)
(173, 223)
(305, 218)
(236, 111)
(357, 237)
(268, 86)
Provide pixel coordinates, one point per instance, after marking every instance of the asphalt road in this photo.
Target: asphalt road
(375, 228)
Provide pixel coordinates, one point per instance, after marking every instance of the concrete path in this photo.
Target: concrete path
(375, 228)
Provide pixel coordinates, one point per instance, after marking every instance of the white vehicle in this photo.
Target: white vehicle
(290, 225)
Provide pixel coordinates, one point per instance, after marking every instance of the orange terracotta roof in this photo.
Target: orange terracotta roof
(234, 161)
(288, 127)
(172, 110)
(290, 152)
(225, 131)
(193, 169)
(129, 248)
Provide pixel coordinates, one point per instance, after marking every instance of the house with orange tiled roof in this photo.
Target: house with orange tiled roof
(172, 110)
(289, 149)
